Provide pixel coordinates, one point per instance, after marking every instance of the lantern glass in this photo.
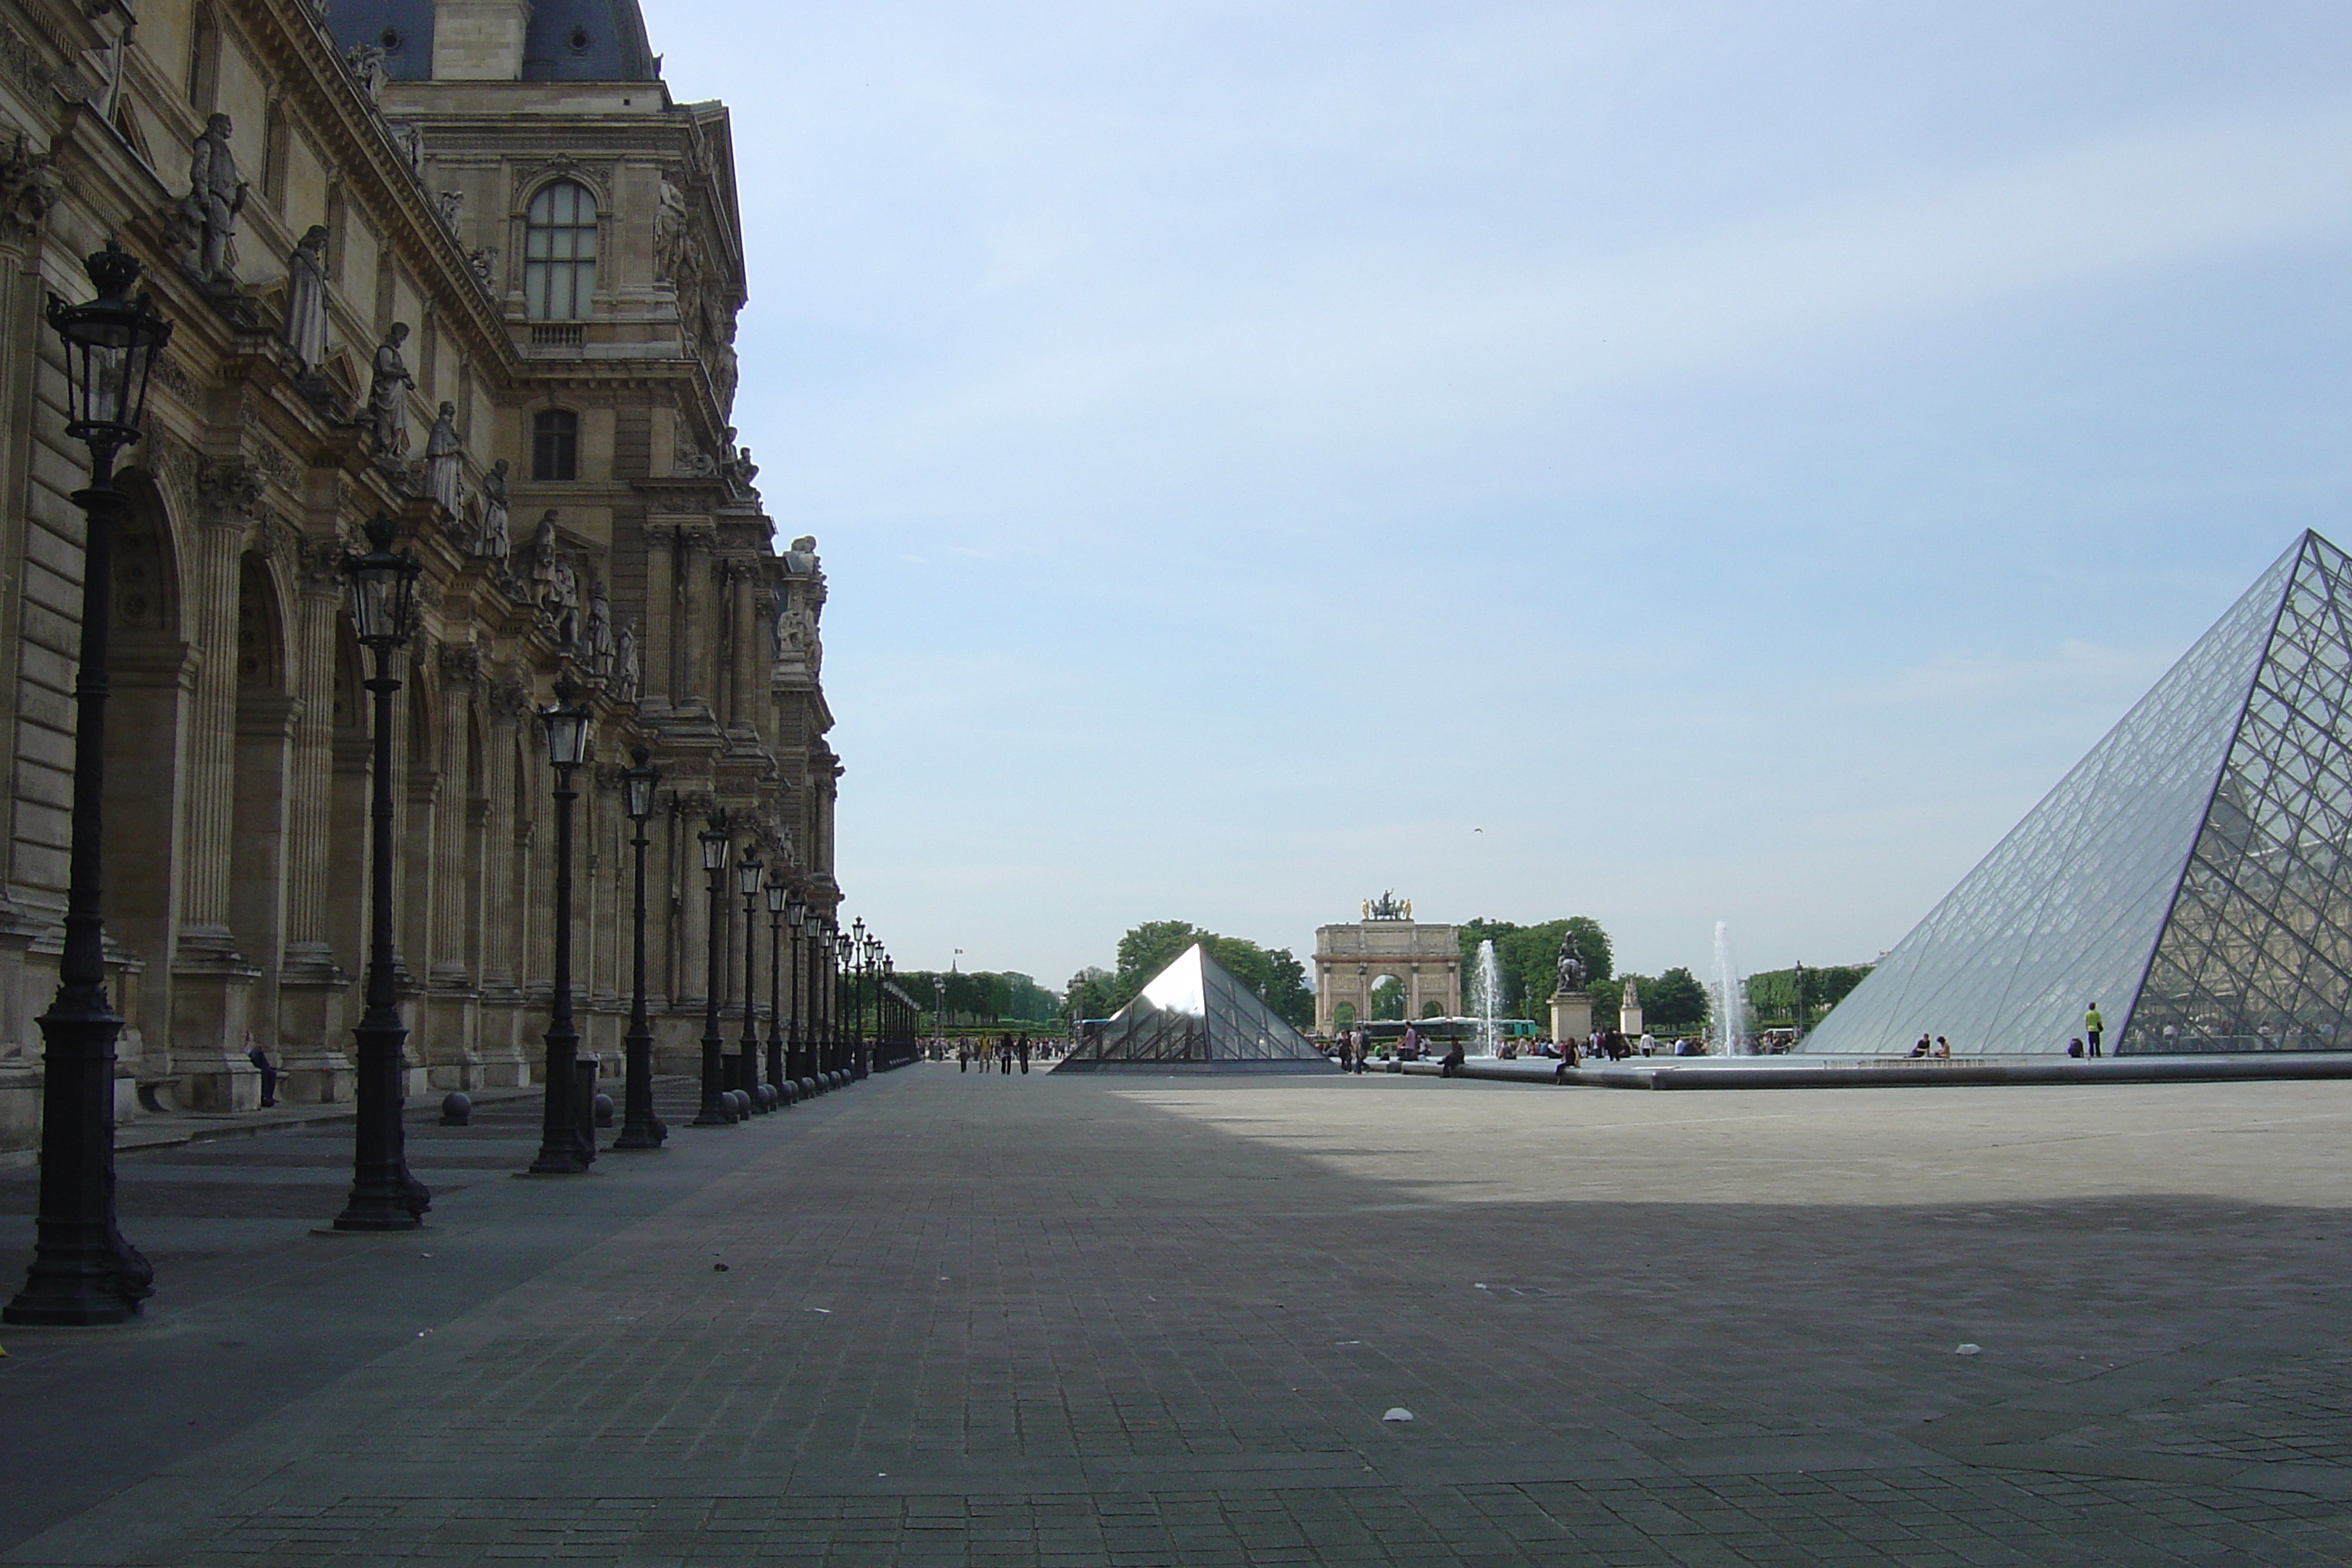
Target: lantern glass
(857, 929)
(110, 343)
(796, 912)
(748, 875)
(568, 724)
(715, 847)
(779, 895)
(383, 588)
(637, 782)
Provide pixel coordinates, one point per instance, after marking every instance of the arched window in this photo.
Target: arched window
(558, 257)
(555, 445)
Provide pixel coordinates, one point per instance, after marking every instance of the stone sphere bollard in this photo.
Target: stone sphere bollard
(603, 1104)
(786, 1093)
(457, 1110)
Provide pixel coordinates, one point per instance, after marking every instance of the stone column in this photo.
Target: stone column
(320, 862)
(444, 1042)
(212, 982)
(501, 1059)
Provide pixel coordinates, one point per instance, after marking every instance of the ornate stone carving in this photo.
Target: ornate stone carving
(365, 62)
(28, 188)
(461, 662)
(227, 490)
(484, 265)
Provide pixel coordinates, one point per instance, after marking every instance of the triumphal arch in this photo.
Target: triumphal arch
(1387, 942)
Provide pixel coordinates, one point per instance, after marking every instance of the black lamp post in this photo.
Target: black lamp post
(565, 1146)
(779, 895)
(796, 1066)
(715, 1111)
(1796, 1035)
(83, 1271)
(384, 1196)
(750, 875)
(845, 1001)
(873, 1036)
(640, 1128)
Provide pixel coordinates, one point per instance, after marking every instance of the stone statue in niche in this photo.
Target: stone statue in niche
(562, 604)
(215, 197)
(670, 233)
(305, 299)
(492, 540)
(388, 389)
(543, 551)
(444, 461)
(603, 652)
(622, 686)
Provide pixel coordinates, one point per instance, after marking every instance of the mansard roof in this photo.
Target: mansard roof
(568, 40)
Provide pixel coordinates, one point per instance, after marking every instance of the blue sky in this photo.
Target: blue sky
(1663, 462)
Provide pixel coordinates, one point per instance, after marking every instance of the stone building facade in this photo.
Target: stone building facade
(466, 264)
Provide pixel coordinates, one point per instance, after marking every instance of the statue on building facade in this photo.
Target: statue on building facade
(603, 652)
(484, 265)
(305, 299)
(388, 389)
(365, 62)
(622, 686)
(562, 604)
(444, 461)
(670, 233)
(450, 207)
(492, 539)
(215, 195)
(1569, 966)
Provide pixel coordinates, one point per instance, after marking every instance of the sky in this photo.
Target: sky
(1665, 462)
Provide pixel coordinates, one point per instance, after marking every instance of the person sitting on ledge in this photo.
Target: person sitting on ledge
(1922, 1048)
(1451, 1063)
(1943, 1048)
(2075, 1047)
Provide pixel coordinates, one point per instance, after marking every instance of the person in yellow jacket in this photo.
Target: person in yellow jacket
(2092, 1025)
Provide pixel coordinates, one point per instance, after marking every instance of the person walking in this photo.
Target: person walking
(2093, 1027)
(1005, 1055)
(963, 1054)
(1023, 1049)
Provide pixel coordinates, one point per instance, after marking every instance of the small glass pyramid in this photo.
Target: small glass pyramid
(1193, 1015)
(2191, 875)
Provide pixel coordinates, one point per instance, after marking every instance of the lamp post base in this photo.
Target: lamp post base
(84, 1274)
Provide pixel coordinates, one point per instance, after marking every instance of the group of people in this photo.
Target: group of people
(1008, 1051)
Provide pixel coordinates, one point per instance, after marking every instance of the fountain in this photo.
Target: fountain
(1730, 997)
(1487, 996)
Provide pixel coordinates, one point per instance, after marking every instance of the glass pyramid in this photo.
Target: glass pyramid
(2191, 875)
(1193, 1015)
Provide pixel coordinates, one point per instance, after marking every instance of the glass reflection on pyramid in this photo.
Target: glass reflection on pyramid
(1193, 1015)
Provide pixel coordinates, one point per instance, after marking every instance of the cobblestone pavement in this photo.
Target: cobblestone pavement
(953, 1319)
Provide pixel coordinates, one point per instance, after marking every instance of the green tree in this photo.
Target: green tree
(1676, 1000)
(1088, 995)
(1526, 959)
(1772, 995)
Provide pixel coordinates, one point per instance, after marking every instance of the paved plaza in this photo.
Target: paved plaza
(949, 1319)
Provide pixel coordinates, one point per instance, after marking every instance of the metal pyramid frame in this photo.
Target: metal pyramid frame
(2192, 876)
(1194, 1017)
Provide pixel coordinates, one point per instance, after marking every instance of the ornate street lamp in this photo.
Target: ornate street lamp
(567, 1139)
(750, 875)
(869, 1039)
(640, 1128)
(83, 1271)
(796, 1064)
(779, 895)
(715, 1111)
(384, 1195)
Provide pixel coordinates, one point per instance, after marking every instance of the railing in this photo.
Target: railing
(557, 334)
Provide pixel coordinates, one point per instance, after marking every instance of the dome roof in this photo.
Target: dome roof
(568, 40)
(587, 41)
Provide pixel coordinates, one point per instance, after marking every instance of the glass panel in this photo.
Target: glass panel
(2071, 906)
(1195, 1011)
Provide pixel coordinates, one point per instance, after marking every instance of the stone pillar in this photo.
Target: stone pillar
(500, 1059)
(444, 1039)
(212, 982)
(1571, 1015)
(321, 861)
